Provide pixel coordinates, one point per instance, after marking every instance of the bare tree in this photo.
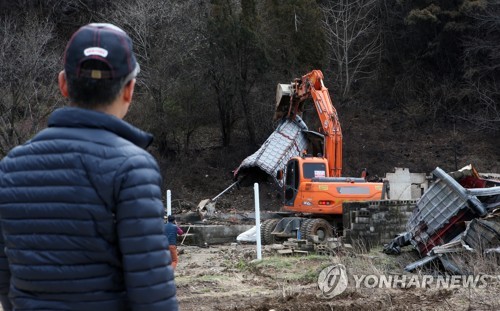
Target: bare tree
(168, 37)
(222, 58)
(237, 62)
(354, 39)
(482, 68)
(27, 74)
(487, 114)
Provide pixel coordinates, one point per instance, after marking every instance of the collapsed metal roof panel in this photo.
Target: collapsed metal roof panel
(439, 213)
(454, 216)
(484, 191)
(482, 234)
(287, 141)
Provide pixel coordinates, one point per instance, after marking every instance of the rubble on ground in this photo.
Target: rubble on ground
(459, 214)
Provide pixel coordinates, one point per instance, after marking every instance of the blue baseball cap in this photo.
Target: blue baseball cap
(106, 43)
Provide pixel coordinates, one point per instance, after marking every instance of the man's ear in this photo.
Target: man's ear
(63, 84)
(128, 91)
(126, 98)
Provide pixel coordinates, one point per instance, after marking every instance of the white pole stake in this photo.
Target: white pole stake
(257, 220)
(169, 203)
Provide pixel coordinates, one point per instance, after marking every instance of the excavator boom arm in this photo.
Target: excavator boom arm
(311, 86)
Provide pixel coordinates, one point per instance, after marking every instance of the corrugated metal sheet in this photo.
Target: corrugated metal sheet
(440, 213)
(482, 234)
(287, 141)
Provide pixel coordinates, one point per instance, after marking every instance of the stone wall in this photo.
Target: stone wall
(375, 223)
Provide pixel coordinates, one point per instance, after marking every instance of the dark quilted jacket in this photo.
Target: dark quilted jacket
(81, 219)
(171, 233)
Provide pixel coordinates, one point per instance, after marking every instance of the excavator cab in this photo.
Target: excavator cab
(308, 188)
(301, 170)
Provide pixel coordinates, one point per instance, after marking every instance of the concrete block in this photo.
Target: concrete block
(362, 220)
(213, 234)
(360, 227)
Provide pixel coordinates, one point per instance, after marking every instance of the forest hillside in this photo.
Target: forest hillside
(415, 82)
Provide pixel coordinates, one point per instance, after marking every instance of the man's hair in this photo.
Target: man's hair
(86, 92)
(171, 218)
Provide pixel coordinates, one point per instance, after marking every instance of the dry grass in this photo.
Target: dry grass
(290, 283)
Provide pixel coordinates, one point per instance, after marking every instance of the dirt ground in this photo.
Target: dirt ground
(227, 277)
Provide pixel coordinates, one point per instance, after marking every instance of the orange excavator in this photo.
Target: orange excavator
(313, 186)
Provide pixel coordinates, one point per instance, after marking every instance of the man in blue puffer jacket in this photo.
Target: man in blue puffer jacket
(80, 203)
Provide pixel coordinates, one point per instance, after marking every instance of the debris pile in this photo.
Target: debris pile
(294, 246)
(458, 214)
(313, 244)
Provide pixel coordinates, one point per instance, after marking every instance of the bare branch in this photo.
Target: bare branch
(354, 41)
(26, 65)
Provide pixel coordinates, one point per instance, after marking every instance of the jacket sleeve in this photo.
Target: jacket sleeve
(4, 272)
(148, 275)
(4, 275)
(4, 264)
(179, 231)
